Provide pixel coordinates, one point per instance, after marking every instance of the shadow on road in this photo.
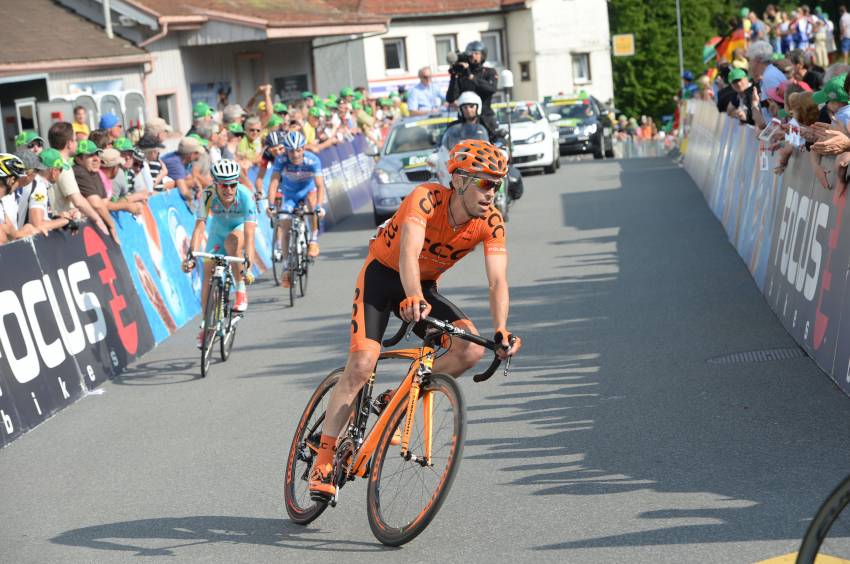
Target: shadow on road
(615, 386)
(167, 535)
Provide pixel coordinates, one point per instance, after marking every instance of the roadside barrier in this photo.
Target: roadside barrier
(790, 231)
(76, 308)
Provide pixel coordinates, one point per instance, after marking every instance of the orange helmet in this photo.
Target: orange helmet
(474, 155)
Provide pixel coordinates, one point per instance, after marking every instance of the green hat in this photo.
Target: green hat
(385, 102)
(394, 94)
(736, 74)
(280, 108)
(26, 137)
(199, 139)
(51, 158)
(236, 128)
(331, 104)
(745, 12)
(306, 94)
(122, 144)
(345, 92)
(356, 106)
(358, 95)
(832, 91)
(202, 110)
(320, 104)
(87, 147)
(274, 121)
(315, 111)
(332, 97)
(368, 110)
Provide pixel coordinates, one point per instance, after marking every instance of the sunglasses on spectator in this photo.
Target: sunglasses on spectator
(483, 183)
(252, 130)
(35, 144)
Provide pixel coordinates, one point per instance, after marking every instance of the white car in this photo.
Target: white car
(535, 143)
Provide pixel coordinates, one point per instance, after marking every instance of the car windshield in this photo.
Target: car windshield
(415, 136)
(519, 113)
(458, 132)
(575, 111)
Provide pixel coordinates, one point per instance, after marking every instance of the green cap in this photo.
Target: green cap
(306, 94)
(736, 74)
(87, 147)
(332, 97)
(331, 104)
(51, 158)
(236, 128)
(274, 121)
(315, 111)
(122, 144)
(345, 92)
(394, 94)
(202, 110)
(280, 108)
(368, 110)
(356, 106)
(358, 95)
(320, 104)
(385, 102)
(832, 91)
(199, 139)
(316, 98)
(745, 12)
(26, 137)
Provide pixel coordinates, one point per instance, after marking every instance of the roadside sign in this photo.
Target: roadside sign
(623, 44)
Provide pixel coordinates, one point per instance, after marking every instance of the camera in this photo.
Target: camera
(453, 58)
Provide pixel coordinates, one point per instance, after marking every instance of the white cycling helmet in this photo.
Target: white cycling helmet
(469, 97)
(225, 171)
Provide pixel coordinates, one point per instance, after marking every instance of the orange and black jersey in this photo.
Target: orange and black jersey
(428, 205)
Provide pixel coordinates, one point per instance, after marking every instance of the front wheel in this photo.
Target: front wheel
(305, 444)
(211, 317)
(829, 531)
(302, 276)
(229, 336)
(277, 265)
(405, 494)
(292, 265)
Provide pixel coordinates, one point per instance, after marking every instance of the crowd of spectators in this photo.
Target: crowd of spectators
(80, 173)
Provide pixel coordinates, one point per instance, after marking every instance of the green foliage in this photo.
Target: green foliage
(647, 82)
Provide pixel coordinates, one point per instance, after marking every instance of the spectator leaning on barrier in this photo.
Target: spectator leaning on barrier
(115, 184)
(150, 145)
(740, 83)
(177, 163)
(81, 123)
(762, 71)
(34, 206)
(65, 193)
(803, 70)
(157, 127)
(86, 167)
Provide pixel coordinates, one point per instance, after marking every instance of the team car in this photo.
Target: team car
(534, 140)
(584, 125)
(404, 163)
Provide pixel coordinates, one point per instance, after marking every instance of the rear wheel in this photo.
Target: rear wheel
(296, 494)
(404, 494)
(829, 532)
(211, 316)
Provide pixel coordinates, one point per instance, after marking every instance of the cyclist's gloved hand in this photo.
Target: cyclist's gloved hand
(411, 309)
(509, 341)
(320, 210)
(188, 263)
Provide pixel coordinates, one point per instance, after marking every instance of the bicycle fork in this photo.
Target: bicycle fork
(415, 389)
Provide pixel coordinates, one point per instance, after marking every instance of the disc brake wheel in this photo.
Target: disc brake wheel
(300, 507)
(404, 495)
(211, 311)
(829, 532)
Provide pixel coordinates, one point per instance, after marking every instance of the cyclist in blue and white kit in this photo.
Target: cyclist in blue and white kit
(300, 173)
(229, 210)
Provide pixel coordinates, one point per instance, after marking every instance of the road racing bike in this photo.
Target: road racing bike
(219, 318)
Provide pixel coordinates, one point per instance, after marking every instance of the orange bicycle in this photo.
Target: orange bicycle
(410, 454)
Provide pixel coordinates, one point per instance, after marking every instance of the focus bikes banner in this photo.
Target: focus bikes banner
(793, 234)
(69, 318)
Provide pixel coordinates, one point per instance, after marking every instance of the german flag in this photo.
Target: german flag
(727, 45)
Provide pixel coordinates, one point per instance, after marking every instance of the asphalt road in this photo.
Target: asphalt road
(613, 440)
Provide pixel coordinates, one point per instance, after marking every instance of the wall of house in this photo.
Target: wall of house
(563, 28)
(420, 48)
(168, 76)
(521, 42)
(338, 63)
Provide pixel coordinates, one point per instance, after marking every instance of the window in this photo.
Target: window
(166, 107)
(581, 68)
(445, 44)
(524, 71)
(394, 56)
(493, 41)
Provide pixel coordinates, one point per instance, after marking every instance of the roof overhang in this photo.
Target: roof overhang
(325, 30)
(73, 64)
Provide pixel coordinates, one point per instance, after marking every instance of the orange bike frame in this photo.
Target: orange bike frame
(407, 391)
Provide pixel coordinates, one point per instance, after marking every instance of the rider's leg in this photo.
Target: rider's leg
(462, 355)
(313, 246)
(234, 245)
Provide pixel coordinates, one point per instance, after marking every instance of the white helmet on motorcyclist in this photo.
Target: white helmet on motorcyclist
(469, 97)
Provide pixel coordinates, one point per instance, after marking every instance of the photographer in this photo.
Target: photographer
(468, 73)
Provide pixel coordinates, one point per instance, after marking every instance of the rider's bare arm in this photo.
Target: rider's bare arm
(273, 184)
(410, 245)
(249, 229)
(197, 234)
(497, 279)
(320, 190)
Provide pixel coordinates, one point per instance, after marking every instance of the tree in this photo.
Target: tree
(647, 82)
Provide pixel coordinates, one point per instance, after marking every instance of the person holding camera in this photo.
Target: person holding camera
(468, 73)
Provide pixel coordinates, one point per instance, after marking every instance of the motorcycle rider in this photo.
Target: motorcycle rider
(468, 73)
(468, 123)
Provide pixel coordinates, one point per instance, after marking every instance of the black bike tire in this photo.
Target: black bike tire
(210, 322)
(303, 516)
(277, 266)
(229, 336)
(292, 264)
(302, 276)
(392, 536)
(826, 515)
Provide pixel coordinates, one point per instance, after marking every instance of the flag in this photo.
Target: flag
(735, 40)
